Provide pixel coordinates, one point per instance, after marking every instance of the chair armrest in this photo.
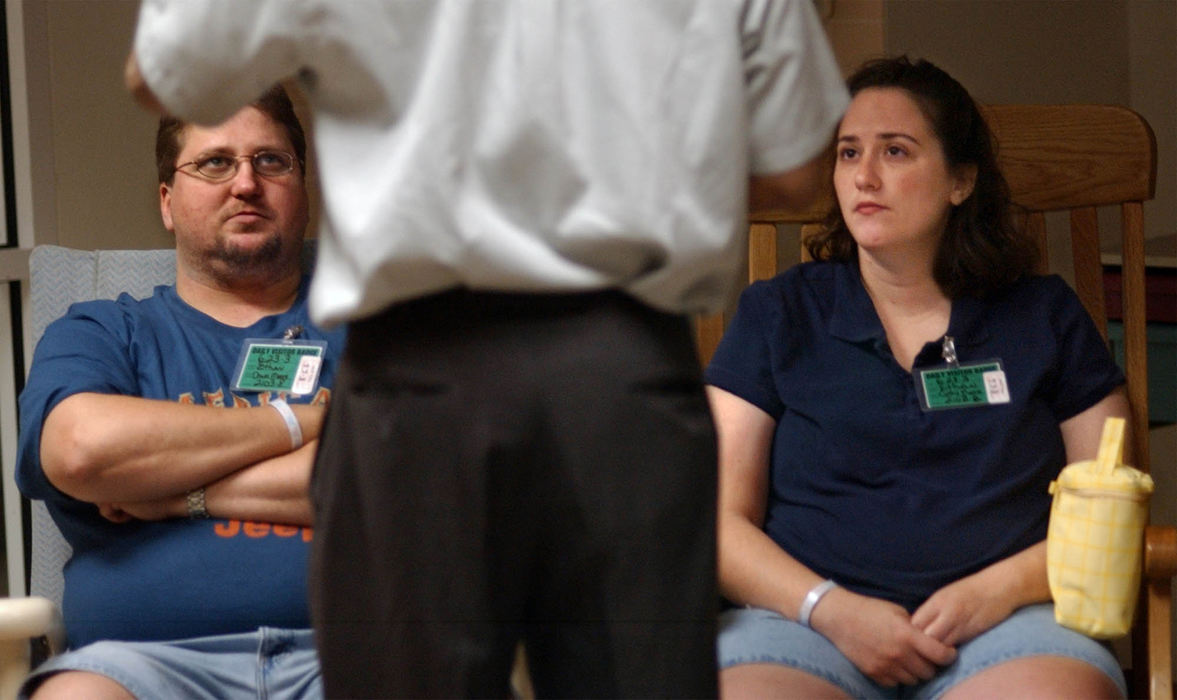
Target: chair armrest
(1160, 552)
(31, 617)
(1155, 638)
(23, 619)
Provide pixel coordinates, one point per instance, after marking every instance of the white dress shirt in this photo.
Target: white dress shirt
(518, 145)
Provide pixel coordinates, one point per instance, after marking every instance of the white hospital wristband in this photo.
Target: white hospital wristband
(811, 599)
(291, 421)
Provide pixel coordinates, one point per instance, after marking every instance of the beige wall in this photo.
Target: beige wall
(1152, 64)
(855, 29)
(103, 145)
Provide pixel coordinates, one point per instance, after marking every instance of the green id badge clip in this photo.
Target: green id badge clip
(958, 385)
(280, 366)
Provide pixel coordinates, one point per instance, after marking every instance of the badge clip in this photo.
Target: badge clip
(949, 352)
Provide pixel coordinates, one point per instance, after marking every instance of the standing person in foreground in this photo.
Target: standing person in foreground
(879, 535)
(523, 201)
(185, 496)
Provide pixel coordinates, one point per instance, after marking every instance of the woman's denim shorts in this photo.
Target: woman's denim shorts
(755, 635)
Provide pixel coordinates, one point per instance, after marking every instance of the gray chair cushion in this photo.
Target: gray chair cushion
(59, 277)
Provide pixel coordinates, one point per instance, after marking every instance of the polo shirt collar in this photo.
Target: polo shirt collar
(968, 325)
(853, 317)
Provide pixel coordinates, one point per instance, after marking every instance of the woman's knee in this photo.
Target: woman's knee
(68, 685)
(1040, 677)
(773, 681)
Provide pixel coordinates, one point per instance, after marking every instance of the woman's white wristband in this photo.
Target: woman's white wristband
(811, 599)
(291, 421)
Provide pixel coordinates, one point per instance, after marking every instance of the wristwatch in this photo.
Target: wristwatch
(196, 506)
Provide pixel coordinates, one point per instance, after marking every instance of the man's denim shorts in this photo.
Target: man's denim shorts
(755, 635)
(276, 663)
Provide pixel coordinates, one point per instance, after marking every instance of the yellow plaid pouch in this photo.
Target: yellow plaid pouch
(1095, 539)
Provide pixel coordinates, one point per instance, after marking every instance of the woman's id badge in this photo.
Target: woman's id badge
(962, 385)
(957, 385)
(290, 366)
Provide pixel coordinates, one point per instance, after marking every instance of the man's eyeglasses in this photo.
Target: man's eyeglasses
(218, 167)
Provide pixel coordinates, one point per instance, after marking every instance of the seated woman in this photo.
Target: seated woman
(889, 419)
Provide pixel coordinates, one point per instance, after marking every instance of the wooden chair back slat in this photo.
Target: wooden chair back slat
(762, 251)
(1135, 325)
(1035, 223)
(708, 333)
(1085, 253)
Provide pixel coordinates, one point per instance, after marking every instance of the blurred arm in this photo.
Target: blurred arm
(138, 87)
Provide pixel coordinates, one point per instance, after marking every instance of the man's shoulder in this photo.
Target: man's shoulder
(122, 307)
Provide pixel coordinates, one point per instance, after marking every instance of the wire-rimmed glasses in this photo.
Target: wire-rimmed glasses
(219, 167)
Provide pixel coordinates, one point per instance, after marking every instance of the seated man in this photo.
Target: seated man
(190, 523)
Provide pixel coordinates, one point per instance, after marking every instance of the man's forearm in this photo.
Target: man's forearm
(103, 449)
(796, 189)
(274, 490)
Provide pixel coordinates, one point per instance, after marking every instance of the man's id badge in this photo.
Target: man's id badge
(290, 366)
(962, 385)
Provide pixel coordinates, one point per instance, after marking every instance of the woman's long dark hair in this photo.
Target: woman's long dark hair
(981, 252)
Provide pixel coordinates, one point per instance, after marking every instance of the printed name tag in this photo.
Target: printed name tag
(290, 366)
(963, 386)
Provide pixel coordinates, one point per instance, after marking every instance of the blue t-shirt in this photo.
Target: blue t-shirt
(174, 578)
(866, 487)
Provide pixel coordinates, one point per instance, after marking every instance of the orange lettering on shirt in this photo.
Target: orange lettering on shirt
(216, 398)
(255, 530)
(187, 398)
(285, 530)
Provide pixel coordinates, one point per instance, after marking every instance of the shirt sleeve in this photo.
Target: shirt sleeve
(742, 364)
(205, 59)
(1086, 371)
(796, 94)
(85, 351)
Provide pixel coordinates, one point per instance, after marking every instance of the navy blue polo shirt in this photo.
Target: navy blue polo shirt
(868, 488)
